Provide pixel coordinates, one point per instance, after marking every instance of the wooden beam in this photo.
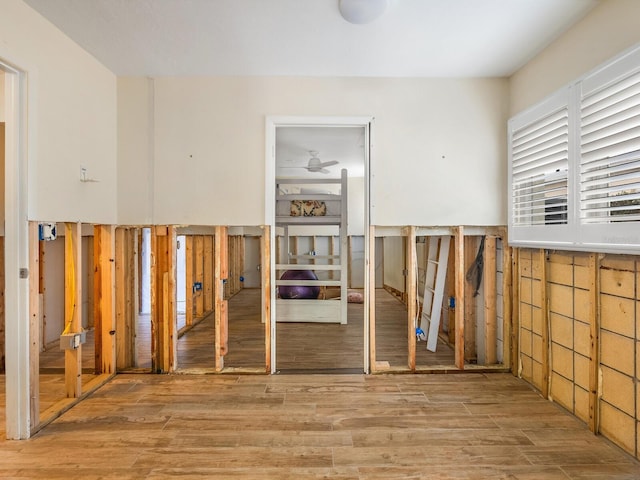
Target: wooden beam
(221, 272)
(372, 298)
(125, 318)
(189, 279)
(412, 296)
(208, 273)
(542, 266)
(490, 296)
(460, 291)
(3, 319)
(266, 294)
(73, 307)
(515, 312)
(104, 298)
(471, 245)
(198, 253)
(594, 333)
(163, 308)
(507, 293)
(34, 323)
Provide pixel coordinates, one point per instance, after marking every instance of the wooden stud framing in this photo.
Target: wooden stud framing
(372, 298)
(104, 298)
(515, 312)
(542, 266)
(412, 297)
(451, 292)
(43, 317)
(460, 290)
(266, 294)
(490, 313)
(125, 284)
(189, 279)
(208, 273)
(221, 272)
(34, 323)
(471, 246)
(198, 249)
(73, 307)
(163, 308)
(2, 311)
(594, 331)
(507, 326)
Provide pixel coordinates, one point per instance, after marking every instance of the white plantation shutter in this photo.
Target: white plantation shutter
(540, 158)
(610, 153)
(574, 164)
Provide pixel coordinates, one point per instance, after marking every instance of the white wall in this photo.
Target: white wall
(439, 145)
(610, 28)
(72, 119)
(393, 255)
(135, 151)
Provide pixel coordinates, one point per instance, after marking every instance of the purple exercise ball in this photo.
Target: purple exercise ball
(298, 291)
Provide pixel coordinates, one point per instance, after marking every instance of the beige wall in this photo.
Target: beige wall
(72, 119)
(439, 145)
(609, 29)
(135, 151)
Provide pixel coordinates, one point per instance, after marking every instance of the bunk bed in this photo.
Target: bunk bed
(296, 207)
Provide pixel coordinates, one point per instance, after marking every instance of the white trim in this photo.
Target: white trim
(16, 258)
(271, 123)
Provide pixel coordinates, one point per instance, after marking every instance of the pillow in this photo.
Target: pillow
(308, 208)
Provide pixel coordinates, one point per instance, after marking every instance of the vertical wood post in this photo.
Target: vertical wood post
(34, 323)
(124, 307)
(471, 246)
(490, 311)
(266, 294)
(221, 272)
(163, 311)
(542, 265)
(198, 248)
(372, 298)
(515, 312)
(594, 333)
(507, 292)
(460, 290)
(104, 298)
(412, 296)
(208, 273)
(189, 279)
(73, 306)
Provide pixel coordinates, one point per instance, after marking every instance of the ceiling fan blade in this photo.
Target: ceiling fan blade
(323, 170)
(329, 163)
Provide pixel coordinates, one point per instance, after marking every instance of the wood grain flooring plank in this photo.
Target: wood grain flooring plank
(308, 427)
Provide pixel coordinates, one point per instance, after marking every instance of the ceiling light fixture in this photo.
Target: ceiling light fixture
(362, 11)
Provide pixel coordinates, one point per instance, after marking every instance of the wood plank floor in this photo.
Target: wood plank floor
(303, 427)
(308, 346)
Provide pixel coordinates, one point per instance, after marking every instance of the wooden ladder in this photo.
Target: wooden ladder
(435, 275)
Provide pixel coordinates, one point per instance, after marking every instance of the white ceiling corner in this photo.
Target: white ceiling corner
(413, 38)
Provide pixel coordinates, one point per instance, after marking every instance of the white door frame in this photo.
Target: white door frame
(16, 251)
(272, 122)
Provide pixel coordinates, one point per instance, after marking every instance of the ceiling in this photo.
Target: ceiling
(414, 38)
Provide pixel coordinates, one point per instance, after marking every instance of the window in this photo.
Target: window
(574, 164)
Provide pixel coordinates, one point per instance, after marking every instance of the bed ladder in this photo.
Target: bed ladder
(437, 259)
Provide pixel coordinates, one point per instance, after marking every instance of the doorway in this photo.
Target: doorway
(317, 200)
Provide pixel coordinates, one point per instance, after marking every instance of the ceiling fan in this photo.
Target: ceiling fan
(316, 165)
